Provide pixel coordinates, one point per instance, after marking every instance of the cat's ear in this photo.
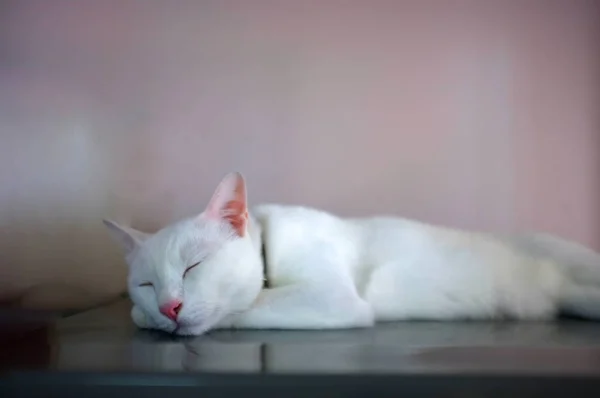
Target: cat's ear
(229, 204)
(128, 238)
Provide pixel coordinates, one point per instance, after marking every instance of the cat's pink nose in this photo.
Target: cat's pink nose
(171, 309)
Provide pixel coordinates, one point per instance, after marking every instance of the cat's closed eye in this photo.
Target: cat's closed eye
(146, 284)
(189, 268)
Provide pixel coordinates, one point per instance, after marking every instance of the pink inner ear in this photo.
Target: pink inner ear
(229, 203)
(236, 214)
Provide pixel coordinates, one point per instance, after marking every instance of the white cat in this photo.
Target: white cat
(323, 272)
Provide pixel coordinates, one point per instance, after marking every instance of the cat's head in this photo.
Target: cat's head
(190, 275)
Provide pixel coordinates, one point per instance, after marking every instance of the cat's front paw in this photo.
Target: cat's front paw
(139, 318)
(364, 315)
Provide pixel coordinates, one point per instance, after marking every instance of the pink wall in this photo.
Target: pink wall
(467, 113)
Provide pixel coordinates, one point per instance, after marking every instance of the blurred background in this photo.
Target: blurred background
(472, 114)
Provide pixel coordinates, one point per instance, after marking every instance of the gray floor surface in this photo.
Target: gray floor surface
(105, 339)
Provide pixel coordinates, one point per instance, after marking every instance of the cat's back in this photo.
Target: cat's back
(301, 226)
(291, 233)
(288, 229)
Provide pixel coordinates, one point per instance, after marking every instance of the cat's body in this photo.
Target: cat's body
(329, 272)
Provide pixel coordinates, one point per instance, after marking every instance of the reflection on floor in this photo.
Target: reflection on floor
(105, 339)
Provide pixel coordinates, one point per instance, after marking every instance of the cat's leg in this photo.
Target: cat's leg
(397, 294)
(320, 295)
(307, 306)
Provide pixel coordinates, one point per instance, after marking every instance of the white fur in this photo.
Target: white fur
(329, 272)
